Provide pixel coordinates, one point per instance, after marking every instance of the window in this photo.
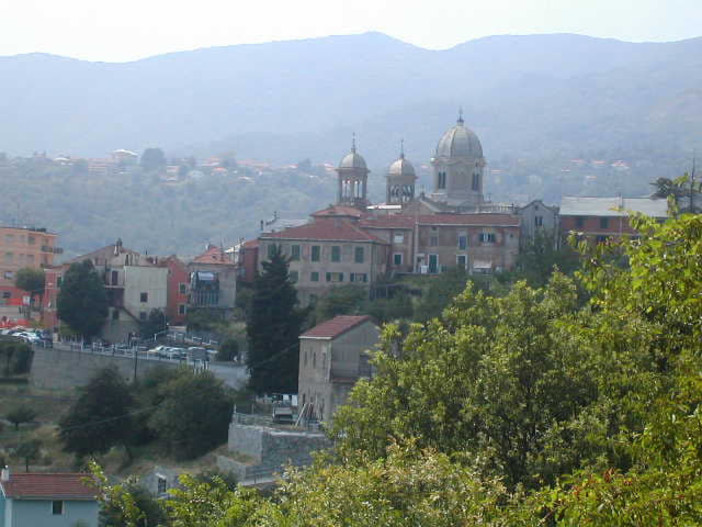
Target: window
(314, 276)
(115, 277)
(476, 182)
(30, 258)
(144, 297)
(316, 250)
(161, 484)
(442, 180)
(538, 221)
(6, 294)
(314, 359)
(305, 358)
(294, 276)
(462, 241)
(9, 257)
(295, 252)
(398, 237)
(604, 223)
(57, 507)
(336, 253)
(358, 255)
(433, 263)
(602, 239)
(358, 277)
(397, 259)
(181, 309)
(579, 221)
(9, 275)
(115, 314)
(59, 281)
(335, 277)
(142, 315)
(461, 261)
(433, 241)
(182, 288)
(487, 237)
(31, 240)
(271, 250)
(324, 361)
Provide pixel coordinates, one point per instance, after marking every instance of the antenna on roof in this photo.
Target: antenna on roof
(353, 142)
(460, 115)
(402, 148)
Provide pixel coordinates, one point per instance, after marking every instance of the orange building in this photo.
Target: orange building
(23, 247)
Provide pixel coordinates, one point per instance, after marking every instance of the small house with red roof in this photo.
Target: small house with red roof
(332, 358)
(47, 500)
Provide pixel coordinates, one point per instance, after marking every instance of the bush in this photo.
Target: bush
(229, 350)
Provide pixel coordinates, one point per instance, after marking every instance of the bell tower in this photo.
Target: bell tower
(353, 179)
(401, 180)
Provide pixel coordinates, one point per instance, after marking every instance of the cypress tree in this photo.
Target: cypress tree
(273, 328)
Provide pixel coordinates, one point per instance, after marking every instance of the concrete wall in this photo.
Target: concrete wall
(23, 513)
(57, 369)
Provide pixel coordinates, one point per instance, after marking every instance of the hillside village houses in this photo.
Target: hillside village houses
(136, 284)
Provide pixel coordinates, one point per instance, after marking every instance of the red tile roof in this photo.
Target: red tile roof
(67, 486)
(338, 210)
(335, 327)
(325, 229)
(391, 221)
(213, 255)
(487, 219)
(251, 244)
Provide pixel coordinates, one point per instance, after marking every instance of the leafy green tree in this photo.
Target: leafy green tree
(20, 414)
(28, 451)
(154, 324)
(82, 300)
(273, 328)
(131, 504)
(441, 291)
(152, 159)
(101, 417)
(30, 280)
(193, 416)
(538, 259)
(229, 350)
(340, 300)
(16, 356)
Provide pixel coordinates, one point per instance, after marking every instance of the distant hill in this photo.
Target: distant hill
(284, 101)
(545, 107)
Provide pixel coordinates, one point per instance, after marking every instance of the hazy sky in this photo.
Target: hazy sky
(130, 29)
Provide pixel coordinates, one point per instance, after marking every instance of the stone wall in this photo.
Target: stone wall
(269, 449)
(57, 369)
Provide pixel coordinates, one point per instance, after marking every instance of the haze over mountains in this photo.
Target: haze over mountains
(525, 96)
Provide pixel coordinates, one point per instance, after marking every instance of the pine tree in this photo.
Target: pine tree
(273, 328)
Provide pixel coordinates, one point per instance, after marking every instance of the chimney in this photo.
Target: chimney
(5, 474)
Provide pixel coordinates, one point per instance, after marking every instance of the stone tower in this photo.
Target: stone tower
(353, 178)
(400, 181)
(459, 167)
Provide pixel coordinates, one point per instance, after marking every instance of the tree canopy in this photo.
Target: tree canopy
(101, 417)
(82, 300)
(30, 280)
(273, 327)
(152, 159)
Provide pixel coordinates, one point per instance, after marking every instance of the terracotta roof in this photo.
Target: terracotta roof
(213, 255)
(338, 210)
(391, 221)
(251, 244)
(326, 229)
(68, 485)
(335, 327)
(487, 219)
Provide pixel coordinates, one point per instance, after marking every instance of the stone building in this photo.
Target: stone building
(332, 358)
(213, 277)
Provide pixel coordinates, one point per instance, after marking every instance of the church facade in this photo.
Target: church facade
(359, 243)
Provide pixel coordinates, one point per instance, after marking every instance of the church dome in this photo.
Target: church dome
(401, 167)
(459, 141)
(353, 160)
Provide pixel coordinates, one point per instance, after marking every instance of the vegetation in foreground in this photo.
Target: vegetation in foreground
(537, 408)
